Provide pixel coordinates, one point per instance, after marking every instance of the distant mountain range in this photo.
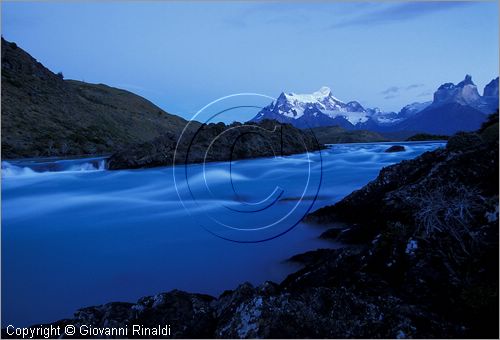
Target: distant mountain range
(454, 108)
(44, 114)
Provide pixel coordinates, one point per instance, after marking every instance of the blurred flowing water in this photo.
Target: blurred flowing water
(75, 235)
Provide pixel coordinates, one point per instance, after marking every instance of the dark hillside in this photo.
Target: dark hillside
(44, 115)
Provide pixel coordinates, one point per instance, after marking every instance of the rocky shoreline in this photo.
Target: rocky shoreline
(217, 142)
(420, 261)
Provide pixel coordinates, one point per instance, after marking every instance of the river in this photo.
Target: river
(76, 235)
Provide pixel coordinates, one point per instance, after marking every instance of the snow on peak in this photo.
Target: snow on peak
(324, 91)
(294, 106)
(316, 97)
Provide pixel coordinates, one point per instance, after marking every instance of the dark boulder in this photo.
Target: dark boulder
(395, 148)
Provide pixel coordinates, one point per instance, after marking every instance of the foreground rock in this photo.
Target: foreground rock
(428, 233)
(217, 142)
(424, 263)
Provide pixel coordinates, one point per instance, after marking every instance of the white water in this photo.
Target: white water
(74, 235)
(35, 167)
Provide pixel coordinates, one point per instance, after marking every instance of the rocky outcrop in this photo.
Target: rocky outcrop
(337, 134)
(469, 158)
(395, 148)
(427, 231)
(217, 142)
(189, 316)
(290, 310)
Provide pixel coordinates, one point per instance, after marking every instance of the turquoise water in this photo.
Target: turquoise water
(75, 235)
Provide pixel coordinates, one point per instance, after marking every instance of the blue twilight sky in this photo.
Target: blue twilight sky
(183, 55)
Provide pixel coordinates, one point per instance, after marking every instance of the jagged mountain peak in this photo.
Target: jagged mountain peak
(467, 81)
(491, 89)
(464, 93)
(321, 95)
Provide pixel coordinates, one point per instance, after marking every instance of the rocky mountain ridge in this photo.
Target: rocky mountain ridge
(454, 108)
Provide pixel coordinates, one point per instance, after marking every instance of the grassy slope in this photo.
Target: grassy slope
(44, 115)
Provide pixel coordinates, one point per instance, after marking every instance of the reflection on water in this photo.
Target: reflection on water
(74, 235)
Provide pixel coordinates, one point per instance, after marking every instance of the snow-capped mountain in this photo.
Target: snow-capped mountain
(320, 108)
(455, 107)
(412, 109)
